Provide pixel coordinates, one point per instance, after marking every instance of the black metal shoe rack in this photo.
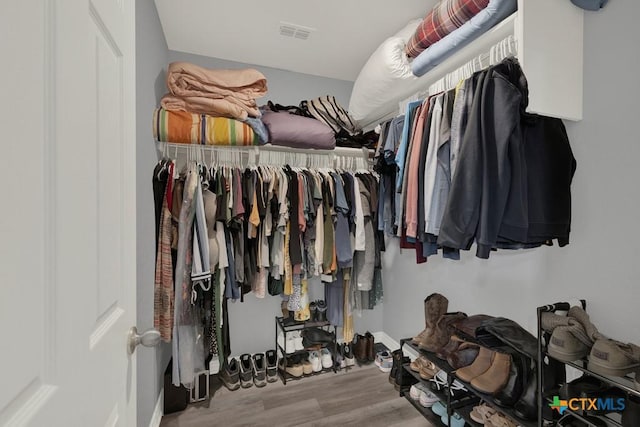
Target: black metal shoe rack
(299, 326)
(464, 404)
(625, 384)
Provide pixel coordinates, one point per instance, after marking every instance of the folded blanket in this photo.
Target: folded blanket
(217, 107)
(188, 128)
(446, 17)
(238, 87)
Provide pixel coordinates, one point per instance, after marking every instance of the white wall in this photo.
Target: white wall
(602, 263)
(151, 60)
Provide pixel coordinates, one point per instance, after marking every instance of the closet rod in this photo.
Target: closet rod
(340, 156)
(505, 48)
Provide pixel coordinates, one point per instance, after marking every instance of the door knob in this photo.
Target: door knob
(149, 338)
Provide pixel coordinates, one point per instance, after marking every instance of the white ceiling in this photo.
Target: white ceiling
(347, 31)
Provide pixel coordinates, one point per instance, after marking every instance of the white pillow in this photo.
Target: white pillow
(385, 79)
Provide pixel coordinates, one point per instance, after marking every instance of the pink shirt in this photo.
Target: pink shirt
(411, 208)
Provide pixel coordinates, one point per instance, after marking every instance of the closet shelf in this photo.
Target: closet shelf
(441, 395)
(300, 325)
(549, 39)
(441, 364)
(288, 377)
(426, 412)
(465, 412)
(337, 151)
(623, 383)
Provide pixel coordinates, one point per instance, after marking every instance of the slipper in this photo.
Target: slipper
(428, 370)
(499, 420)
(482, 413)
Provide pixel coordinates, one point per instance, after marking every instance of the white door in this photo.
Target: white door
(67, 228)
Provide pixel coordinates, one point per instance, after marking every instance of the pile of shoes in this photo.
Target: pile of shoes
(258, 369)
(479, 349)
(306, 363)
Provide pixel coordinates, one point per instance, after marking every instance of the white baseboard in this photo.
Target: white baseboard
(158, 411)
(392, 344)
(385, 339)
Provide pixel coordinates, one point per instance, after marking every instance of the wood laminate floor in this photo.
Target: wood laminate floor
(361, 396)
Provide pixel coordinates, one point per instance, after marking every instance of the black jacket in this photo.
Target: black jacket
(488, 194)
(511, 187)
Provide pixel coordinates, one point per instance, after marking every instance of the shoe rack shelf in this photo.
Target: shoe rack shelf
(288, 377)
(427, 413)
(286, 327)
(625, 383)
(462, 406)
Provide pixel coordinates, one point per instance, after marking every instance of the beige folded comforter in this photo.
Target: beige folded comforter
(228, 93)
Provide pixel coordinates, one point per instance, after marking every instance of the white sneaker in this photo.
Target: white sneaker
(384, 361)
(427, 399)
(325, 358)
(416, 391)
(290, 347)
(314, 358)
(296, 338)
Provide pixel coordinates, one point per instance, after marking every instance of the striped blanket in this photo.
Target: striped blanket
(188, 128)
(446, 17)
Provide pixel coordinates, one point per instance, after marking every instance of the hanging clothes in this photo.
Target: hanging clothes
(470, 158)
(226, 231)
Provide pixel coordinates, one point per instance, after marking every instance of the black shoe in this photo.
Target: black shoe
(322, 310)
(230, 374)
(397, 364)
(399, 377)
(511, 392)
(347, 353)
(370, 342)
(259, 370)
(313, 309)
(272, 365)
(246, 371)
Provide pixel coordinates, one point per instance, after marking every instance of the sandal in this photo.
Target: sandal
(482, 413)
(499, 420)
(428, 370)
(417, 364)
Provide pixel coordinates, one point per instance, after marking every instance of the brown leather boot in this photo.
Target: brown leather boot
(478, 367)
(441, 334)
(360, 348)
(494, 379)
(435, 305)
(370, 341)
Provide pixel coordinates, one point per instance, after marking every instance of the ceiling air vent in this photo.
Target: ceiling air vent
(288, 29)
